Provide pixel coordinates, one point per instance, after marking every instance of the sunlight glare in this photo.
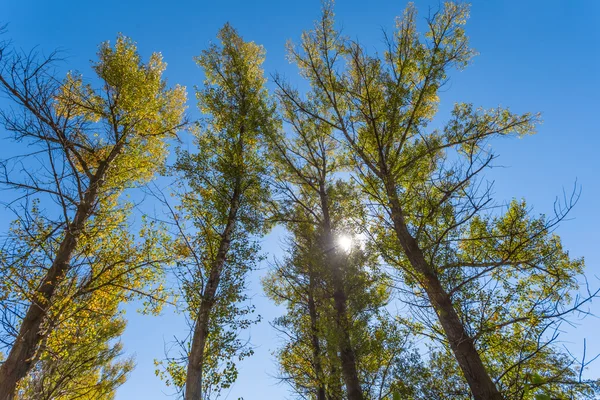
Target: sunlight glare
(345, 243)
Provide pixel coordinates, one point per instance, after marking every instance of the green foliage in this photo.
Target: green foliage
(82, 358)
(317, 209)
(304, 278)
(359, 160)
(223, 195)
(93, 144)
(507, 274)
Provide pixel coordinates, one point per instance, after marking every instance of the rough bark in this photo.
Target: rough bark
(193, 381)
(461, 344)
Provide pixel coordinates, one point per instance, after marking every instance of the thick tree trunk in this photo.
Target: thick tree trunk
(347, 355)
(193, 380)
(25, 350)
(461, 344)
(316, 346)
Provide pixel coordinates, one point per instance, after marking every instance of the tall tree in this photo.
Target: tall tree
(309, 359)
(225, 193)
(297, 281)
(514, 284)
(424, 187)
(91, 145)
(305, 165)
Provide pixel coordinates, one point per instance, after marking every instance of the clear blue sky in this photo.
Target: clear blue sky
(534, 56)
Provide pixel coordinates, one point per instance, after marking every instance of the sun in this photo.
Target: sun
(345, 243)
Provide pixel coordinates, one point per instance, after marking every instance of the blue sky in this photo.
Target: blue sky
(534, 56)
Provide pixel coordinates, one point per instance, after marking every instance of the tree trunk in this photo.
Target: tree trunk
(26, 348)
(461, 344)
(347, 356)
(24, 351)
(193, 380)
(312, 311)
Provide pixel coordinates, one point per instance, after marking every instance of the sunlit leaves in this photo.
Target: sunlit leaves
(223, 194)
(504, 269)
(93, 145)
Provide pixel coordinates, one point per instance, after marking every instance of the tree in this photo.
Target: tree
(298, 282)
(224, 194)
(91, 145)
(425, 187)
(515, 290)
(304, 171)
(309, 359)
(327, 262)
